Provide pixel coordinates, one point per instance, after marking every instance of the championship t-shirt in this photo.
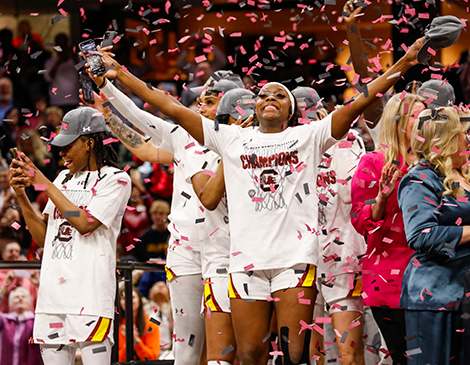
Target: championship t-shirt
(78, 272)
(270, 181)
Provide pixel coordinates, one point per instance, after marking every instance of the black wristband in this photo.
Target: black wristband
(102, 85)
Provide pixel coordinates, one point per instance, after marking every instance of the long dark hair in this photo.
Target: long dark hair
(140, 316)
(105, 154)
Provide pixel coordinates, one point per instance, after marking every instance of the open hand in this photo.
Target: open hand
(387, 183)
(247, 123)
(350, 9)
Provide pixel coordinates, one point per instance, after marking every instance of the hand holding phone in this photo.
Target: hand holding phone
(87, 88)
(92, 56)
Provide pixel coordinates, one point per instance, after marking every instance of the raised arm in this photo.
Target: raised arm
(28, 174)
(37, 225)
(345, 115)
(132, 140)
(167, 104)
(359, 56)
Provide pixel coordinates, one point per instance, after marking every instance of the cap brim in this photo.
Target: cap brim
(197, 90)
(62, 140)
(423, 54)
(235, 114)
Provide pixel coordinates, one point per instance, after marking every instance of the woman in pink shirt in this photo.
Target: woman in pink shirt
(375, 215)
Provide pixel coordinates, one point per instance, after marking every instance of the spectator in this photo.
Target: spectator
(203, 71)
(9, 229)
(12, 279)
(7, 195)
(134, 222)
(40, 105)
(62, 75)
(13, 123)
(146, 334)
(16, 329)
(6, 97)
(7, 51)
(24, 30)
(31, 144)
(154, 241)
(159, 307)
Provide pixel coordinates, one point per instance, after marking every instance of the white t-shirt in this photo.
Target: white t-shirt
(339, 243)
(215, 250)
(271, 197)
(187, 215)
(78, 273)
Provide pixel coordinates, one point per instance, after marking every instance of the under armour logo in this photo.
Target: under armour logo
(87, 129)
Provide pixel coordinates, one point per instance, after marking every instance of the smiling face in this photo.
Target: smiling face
(273, 106)
(208, 103)
(417, 108)
(75, 155)
(463, 144)
(20, 301)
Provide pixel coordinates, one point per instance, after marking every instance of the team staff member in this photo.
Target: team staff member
(78, 230)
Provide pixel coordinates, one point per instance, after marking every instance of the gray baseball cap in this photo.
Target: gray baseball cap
(308, 99)
(237, 102)
(442, 95)
(79, 122)
(441, 33)
(221, 80)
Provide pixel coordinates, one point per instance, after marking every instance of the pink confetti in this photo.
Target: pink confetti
(317, 328)
(200, 59)
(189, 146)
(236, 34)
(65, 126)
(130, 247)
(122, 182)
(40, 187)
(208, 172)
(214, 231)
(31, 172)
(305, 301)
(257, 199)
(385, 190)
(16, 225)
(110, 140)
(240, 110)
(462, 199)
(322, 319)
(167, 6)
(458, 221)
(249, 267)
(63, 12)
(419, 138)
(56, 325)
(354, 324)
(236, 253)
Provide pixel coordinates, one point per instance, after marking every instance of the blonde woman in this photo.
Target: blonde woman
(433, 197)
(375, 214)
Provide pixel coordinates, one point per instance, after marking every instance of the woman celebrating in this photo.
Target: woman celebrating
(146, 334)
(78, 231)
(433, 197)
(375, 214)
(267, 172)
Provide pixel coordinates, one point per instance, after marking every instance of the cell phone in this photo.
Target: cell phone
(359, 3)
(108, 38)
(14, 153)
(87, 88)
(91, 55)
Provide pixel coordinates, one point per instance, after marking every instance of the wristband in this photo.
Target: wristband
(102, 85)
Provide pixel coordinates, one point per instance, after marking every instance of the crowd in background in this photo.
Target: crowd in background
(32, 104)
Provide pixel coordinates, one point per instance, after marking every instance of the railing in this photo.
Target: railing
(125, 268)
